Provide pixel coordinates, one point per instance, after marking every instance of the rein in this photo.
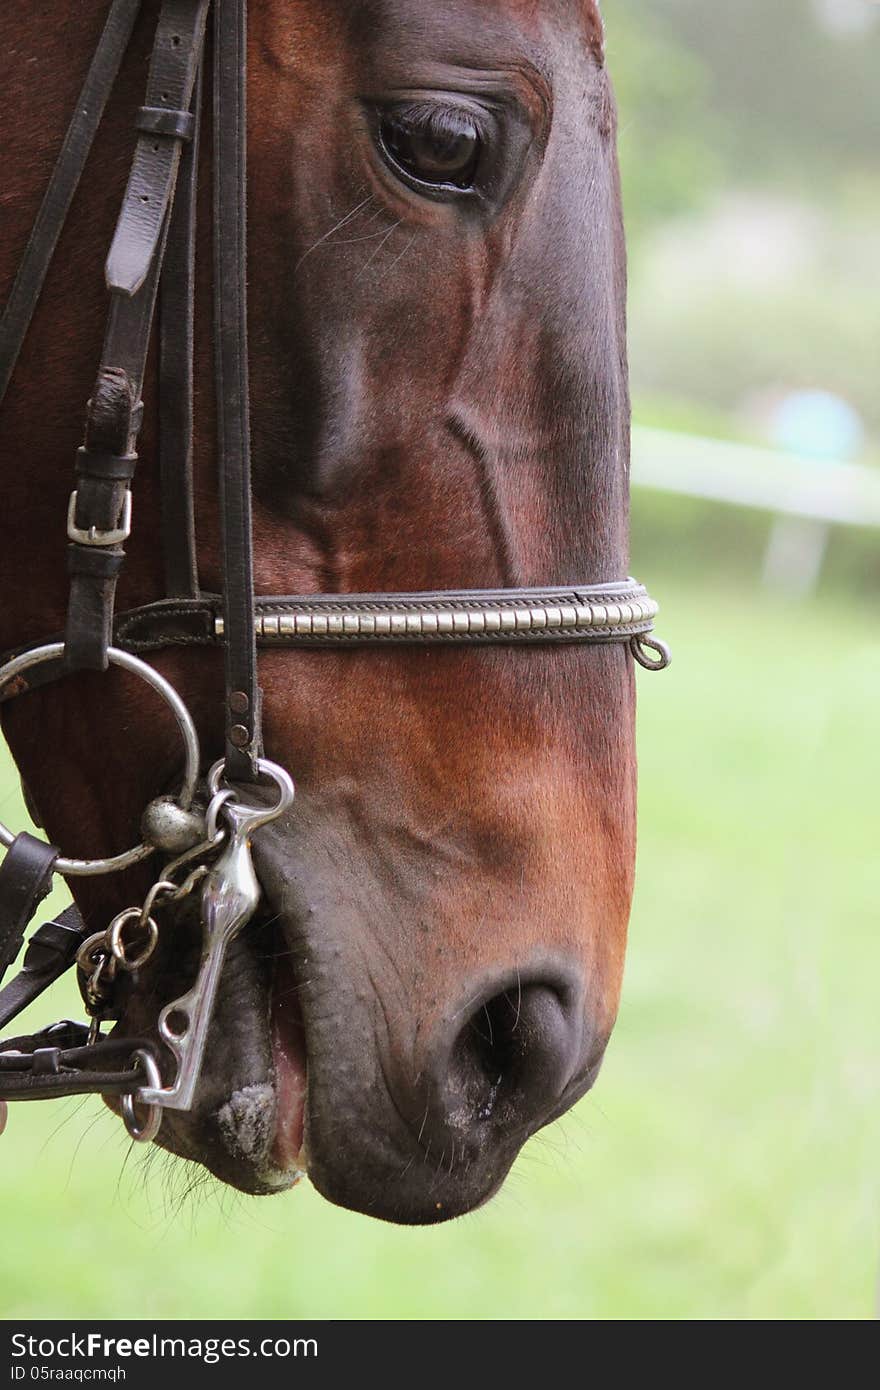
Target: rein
(150, 266)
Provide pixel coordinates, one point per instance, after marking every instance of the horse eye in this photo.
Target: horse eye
(440, 148)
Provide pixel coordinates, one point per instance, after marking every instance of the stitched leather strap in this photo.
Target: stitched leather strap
(176, 336)
(230, 333)
(176, 51)
(25, 879)
(115, 412)
(57, 1062)
(65, 179)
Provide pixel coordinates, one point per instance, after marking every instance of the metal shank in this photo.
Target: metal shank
(230, 897)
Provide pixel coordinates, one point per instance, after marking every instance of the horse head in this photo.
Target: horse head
(439, 401)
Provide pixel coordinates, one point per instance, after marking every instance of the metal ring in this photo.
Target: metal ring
(117, 947)
(265, 768)
(164, 885)
(193, 877)
(85, 956)
(640, 644)
(95, 997)
(215, 805)
(143, 1133)
(82, 868)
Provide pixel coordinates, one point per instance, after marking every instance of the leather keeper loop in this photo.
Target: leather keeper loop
(170, 622)
(115, 468)
(160, 120)
(93, 562)
(51, 944)
(46, 1061)
(114, 413)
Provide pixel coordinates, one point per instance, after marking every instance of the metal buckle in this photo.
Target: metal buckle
(93, 536)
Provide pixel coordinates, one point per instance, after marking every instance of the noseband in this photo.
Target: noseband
(150, 263)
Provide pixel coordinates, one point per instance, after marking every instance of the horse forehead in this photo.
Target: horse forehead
(528, 15)
(473, 28)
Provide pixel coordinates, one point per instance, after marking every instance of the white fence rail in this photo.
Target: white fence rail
(806, 496)
(836, 493)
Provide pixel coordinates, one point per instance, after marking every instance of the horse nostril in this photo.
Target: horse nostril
(513, 1057)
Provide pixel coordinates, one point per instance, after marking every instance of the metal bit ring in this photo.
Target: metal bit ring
(96, 997)
(215, 806)
(92, 947)
(117, 946)
(81, 868)
(265, 768)
(143, 1133)
(93, 961)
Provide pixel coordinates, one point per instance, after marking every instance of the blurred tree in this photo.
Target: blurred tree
(668, 148)
(793, 84)
(748, 140)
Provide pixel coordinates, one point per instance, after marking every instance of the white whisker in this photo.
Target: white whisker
(343, 221)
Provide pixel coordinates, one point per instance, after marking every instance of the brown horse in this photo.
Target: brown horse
(439, 399)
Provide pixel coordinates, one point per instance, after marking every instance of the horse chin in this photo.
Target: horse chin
(247, 1124)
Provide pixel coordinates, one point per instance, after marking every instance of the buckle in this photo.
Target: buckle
(93, 536)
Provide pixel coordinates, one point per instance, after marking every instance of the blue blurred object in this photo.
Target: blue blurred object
(819, 425)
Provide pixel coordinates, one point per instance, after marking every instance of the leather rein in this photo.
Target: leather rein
(150, 276)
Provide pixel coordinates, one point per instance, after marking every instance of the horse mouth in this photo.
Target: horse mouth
(248, 1122)
(303, 1074)
(290, 1065)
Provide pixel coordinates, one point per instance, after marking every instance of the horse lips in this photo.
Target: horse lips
(289, 1060)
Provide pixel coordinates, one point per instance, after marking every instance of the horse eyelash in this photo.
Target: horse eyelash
(427, 116)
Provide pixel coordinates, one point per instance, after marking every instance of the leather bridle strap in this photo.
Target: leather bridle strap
(242, 708)
(60, 1062)
(50, 953)
(71, 162)
(100, 509)
(176, 339)
(25, 879)
(165, 121)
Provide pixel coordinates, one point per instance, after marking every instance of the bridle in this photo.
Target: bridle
(150, 263)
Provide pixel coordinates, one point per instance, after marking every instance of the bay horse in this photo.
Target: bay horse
(439, 400)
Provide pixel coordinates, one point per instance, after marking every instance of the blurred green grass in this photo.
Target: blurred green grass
(727, 1165)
